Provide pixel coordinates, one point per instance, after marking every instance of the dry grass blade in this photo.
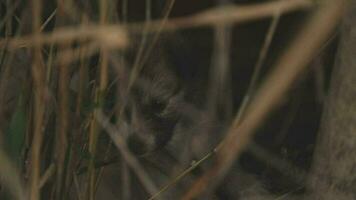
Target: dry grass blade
(93, 139)
(63, 113)
(49, 19)
(38, 76)
(292, 63)
(220, 83)
(70, 55)
(227, 14)
(181, 175)
(47, 175)
(109, 36)
(258, 66)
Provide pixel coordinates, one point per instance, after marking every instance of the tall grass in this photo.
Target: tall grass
(61, 122)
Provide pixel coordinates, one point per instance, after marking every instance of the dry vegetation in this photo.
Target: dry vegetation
(69, 74)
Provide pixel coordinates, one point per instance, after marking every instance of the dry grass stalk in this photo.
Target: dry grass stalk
(109, 36)
(62, 149)
(227, 14)
(38, 75)
(95, 131)
(104, 37)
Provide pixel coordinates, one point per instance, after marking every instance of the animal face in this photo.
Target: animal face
(151, 110)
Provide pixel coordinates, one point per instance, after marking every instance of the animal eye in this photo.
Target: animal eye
(158, 106)
(153, 108)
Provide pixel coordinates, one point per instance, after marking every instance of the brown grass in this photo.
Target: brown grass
(61, 140)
